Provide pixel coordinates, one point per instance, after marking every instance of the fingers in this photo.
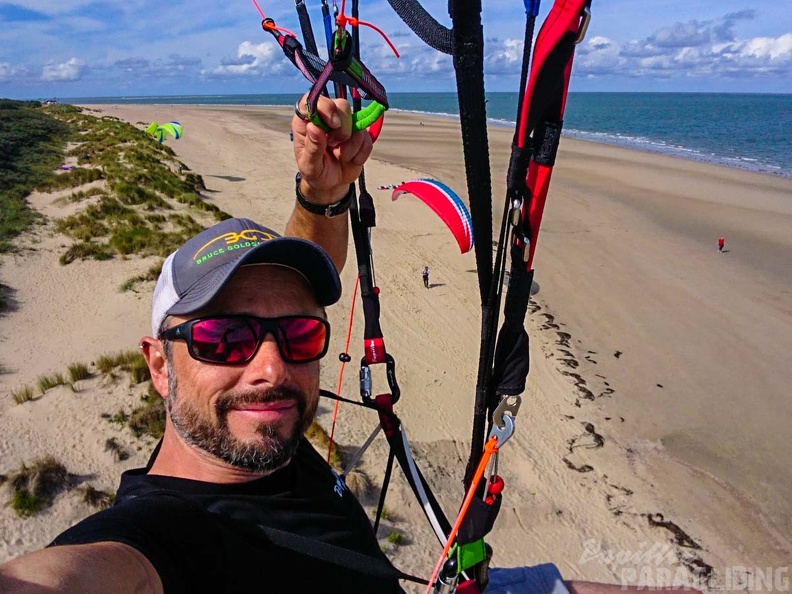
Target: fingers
(354, 151)
(328, 159)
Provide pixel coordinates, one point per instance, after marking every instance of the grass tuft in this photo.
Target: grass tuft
(149, 417)
(78, 371)
(36, 486)
(321, 441)
(116, 449)
(395, 537)
(96, 498)
(46, 382)
(24, 394)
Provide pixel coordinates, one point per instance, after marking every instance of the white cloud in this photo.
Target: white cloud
(503, 56)
(779, 48)
(66, 71)
(252, 59)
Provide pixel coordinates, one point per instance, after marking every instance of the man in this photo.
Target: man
(234, 499)
(425, 275)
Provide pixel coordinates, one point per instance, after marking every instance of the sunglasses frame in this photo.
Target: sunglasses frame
(266, 326)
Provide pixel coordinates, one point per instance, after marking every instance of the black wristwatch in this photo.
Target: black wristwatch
(329, 210)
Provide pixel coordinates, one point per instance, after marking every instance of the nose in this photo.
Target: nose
(267, 366)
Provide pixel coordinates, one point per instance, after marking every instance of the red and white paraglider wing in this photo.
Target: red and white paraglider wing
(446, 204)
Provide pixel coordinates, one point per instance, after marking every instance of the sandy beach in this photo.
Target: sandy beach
(656, 414)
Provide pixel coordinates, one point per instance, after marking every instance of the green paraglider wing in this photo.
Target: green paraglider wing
(159, 132)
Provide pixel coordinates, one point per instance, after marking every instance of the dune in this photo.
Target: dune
(655, 417)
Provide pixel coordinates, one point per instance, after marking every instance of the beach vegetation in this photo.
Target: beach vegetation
(23, 394)
(149, 417)
(84, 251)
(46, 382)
(358, 483)
(142, 180)
(32, 142)
(150, 275)
(120, 418)
(395, 537)
(82, 195)
(5, 292)
(74, 178)
(124, 359)
(317, 435)
(78, 371)
(116, 449)
(36, 485)
(96, 498)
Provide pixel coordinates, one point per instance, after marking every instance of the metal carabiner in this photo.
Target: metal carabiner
(503, 418)
(390, 374)
(586, 19)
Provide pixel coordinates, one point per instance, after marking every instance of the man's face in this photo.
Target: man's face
(251, 416)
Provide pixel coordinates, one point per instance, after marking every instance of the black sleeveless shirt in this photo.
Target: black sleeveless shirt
(249, 537)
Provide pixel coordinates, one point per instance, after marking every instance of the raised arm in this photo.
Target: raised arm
(81, 569)
(328, 162)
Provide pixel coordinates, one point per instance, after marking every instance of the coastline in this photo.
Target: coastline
(627, 247)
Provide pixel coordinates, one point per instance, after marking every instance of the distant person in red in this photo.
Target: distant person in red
(721, 243)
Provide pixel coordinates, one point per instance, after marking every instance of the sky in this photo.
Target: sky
(94, 48)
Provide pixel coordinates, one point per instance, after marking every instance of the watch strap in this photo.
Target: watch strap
(329, 210)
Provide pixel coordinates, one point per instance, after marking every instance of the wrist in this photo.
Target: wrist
(329, 203)
(320, 195)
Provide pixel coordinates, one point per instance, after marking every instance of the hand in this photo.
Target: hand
(329, 161)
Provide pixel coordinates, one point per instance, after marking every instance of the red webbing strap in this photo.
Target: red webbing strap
(545, 98)
(563, 19)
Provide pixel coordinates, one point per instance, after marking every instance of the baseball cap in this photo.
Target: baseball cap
(195, 273)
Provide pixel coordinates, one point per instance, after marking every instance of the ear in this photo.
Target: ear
(153, 352)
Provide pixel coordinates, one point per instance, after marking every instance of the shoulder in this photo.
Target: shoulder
(176, 537)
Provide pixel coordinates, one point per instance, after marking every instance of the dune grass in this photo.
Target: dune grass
(34, 486)
(78, 371)
(24, 394)
(46, 382)
(32, 142)
(319, 437)
(142, 181)
(96, 498)
(150, 275)
(124, 359)
(148, 418)
(116, 449)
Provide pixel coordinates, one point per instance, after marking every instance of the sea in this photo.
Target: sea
(746, 131)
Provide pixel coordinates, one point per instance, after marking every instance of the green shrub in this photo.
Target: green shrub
(395, 538)
(149, 417)
(35, 487)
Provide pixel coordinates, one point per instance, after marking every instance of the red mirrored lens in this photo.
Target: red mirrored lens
(302, 339)
(224, 340)
(236, 339)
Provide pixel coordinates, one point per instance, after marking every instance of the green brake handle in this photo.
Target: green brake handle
(360, 119)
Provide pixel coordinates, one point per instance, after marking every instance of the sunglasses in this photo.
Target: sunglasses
(235, 339)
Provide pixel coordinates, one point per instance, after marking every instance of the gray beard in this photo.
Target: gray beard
(266, 454)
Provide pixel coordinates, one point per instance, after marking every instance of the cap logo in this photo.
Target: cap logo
(227, 242)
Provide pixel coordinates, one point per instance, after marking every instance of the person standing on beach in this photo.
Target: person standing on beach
(425, 275)
(234, 498)
(721, 243)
